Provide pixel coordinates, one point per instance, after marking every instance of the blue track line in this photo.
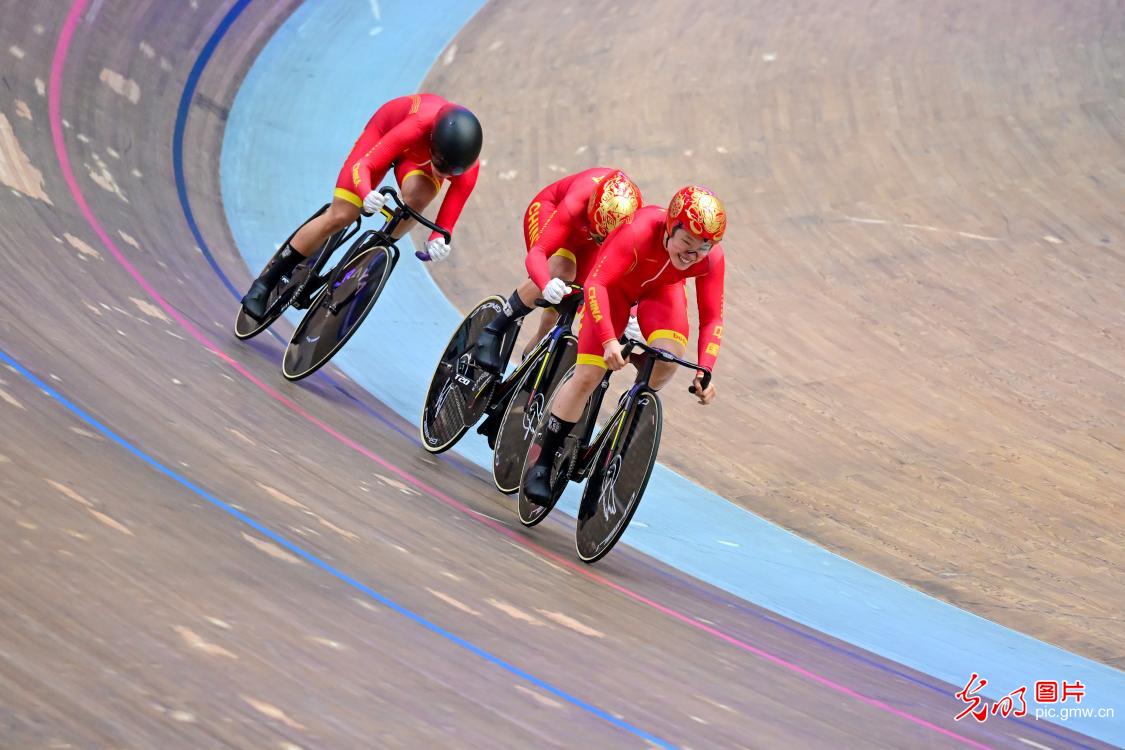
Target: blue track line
(181, 124)
(326, 567)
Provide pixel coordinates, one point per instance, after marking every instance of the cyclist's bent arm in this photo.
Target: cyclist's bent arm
(617, 258)
(554, 233)
(709, 299)
(460, 188)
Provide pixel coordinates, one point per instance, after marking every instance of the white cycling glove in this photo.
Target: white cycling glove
(374, 202)
(438, 249)
(555, 290)
(633, 330)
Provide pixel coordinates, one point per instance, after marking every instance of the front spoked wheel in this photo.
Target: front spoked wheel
(622, 468)
(525, 409)
(459, 390)
(336, 314)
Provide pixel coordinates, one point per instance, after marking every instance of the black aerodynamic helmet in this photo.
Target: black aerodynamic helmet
(456, 140)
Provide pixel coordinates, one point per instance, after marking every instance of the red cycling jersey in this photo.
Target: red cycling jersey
(398, 135)
(633, 264)
(556, 223)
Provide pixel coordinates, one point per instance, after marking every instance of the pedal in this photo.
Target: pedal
(567, 457)
(308, 290)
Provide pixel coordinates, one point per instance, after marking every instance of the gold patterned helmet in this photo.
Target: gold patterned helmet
(699, 211)
(615, 199)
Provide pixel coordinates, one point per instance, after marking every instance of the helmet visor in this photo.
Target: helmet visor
(443, 166)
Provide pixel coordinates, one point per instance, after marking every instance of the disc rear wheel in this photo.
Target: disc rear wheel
(459, 390)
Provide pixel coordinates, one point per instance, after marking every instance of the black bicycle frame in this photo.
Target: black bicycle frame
(316, 280)
(382, 236)
(588, 445)
(568, 309)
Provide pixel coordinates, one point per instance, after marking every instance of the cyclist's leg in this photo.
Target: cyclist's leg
(307, 240)
(570, 401)
(528, 292)
(343, 210)
(418, 186)
(346, 204)
(662, 315)
(567, 406)
(341, 213)
(572, 396)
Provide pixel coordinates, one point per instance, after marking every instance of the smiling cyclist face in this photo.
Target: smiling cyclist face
(685, 249)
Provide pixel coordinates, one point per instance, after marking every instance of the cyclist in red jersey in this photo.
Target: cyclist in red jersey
(562, 229)
(427, 140)
(645, 262)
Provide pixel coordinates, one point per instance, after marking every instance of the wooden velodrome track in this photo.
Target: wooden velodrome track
(140, 610)
(924, 356)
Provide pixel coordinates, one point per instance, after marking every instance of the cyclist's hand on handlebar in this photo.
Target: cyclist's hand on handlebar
(438, 249)
(555, 290)
(613, 359)
(374, 202)
(705, 395)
